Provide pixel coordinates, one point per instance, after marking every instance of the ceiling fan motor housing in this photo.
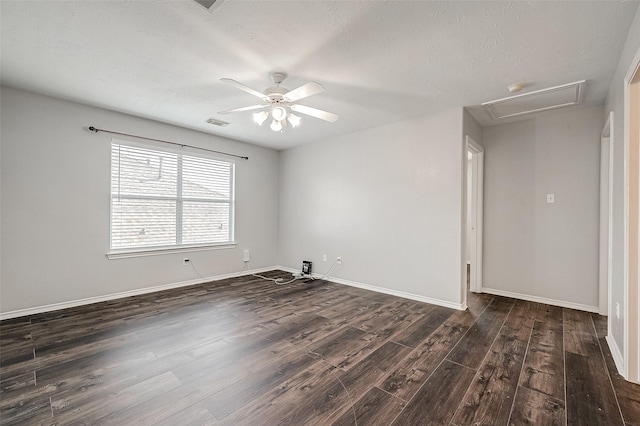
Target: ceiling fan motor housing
(276, 94)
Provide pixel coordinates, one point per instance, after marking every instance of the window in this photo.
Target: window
(164, 199)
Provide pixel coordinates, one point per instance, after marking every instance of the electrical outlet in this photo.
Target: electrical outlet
(246, 255)
(339, 259)
(617, 310)
(324, 257)
(185, 261)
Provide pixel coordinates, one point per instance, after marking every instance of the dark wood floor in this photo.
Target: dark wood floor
(246, 351)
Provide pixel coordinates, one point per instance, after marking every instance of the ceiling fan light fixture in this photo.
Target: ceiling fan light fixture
(279, 103)
(294, 120)
(260, 117)
(276, 126)
(279, 113)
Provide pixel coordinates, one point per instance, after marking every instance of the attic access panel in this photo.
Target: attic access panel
(211, 5)
(539, 100)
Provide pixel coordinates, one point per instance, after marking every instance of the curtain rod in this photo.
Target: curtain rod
(95, 129)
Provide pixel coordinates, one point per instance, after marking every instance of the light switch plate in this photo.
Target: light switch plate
(551, 198)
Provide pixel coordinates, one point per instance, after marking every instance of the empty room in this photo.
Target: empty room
(245, 212)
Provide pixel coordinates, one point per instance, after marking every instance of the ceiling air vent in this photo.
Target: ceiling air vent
(211, 5)
(217, 122)
(540, 100)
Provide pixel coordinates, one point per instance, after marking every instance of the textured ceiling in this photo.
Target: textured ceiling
(379, 61)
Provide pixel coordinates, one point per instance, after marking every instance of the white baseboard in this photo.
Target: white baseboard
(398, 293)
(530, 298)
(617, 355)
(113, 296)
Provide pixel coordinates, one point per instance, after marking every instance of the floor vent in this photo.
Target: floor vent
(540, 100)
(217, 122)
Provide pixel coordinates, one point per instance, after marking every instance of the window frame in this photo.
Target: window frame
(138, 251)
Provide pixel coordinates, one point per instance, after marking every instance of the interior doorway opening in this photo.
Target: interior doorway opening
(474, 193)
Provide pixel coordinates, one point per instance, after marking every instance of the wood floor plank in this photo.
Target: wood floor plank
(101, 409)
(225, 402)
(410, 374)
(26, 412)
(490, 396)
(312, 331)
(590, 396)
(16, 384)
(627, 393)
(192, 416)
(298, 325)
(579, 333)
(367, 372)
(184, 398)
(345, 347)
(237, 360)
(16, 355)
(376, 407)
(322, 382)
(312, 403)
(288, 400)
(535, 408)
(543, 368)
(436, 401)
(478, 302)
(388, 319)
(474, 345)
(420, 329)
(600, 323)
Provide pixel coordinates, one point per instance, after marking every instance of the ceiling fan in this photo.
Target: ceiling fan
(281, 104)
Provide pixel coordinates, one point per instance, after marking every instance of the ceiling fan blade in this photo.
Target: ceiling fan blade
(303, 91)
(247, 108)
(313, 112)
(245, 88)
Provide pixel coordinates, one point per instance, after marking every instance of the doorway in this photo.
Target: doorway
(474, 191)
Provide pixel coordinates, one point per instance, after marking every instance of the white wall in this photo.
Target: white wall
(472, 128)
(388, 200)
(55, 205)
(615, 103)
(531, 247)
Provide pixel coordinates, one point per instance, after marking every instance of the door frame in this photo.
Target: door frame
(606, 217)
(631, 293)
(477, 206)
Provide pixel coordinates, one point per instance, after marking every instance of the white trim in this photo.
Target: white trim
(606, 247)
(477, 166)
(397, 293)
(123, 254)
(631, 347)
(120, 295)
(616, 353)
(530, 298)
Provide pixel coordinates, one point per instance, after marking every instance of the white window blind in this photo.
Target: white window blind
(163, 199)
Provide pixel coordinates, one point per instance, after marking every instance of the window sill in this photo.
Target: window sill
(123, 254)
